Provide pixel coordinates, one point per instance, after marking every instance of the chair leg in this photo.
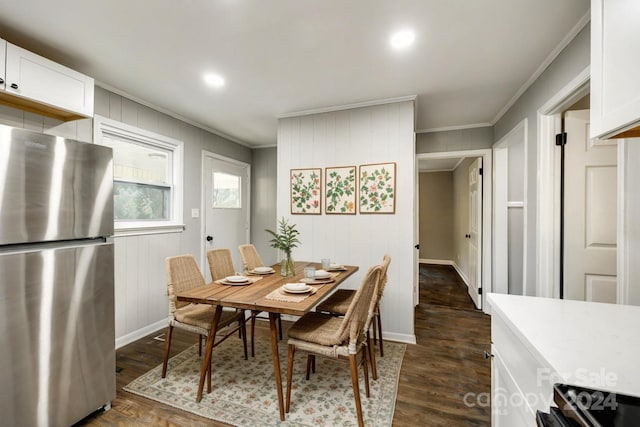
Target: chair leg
(375, 333)
(356, 387)
(372, 358)
(365, 370)
(292, 351)
(199, 345)
(254, 313)
(280, 326)
(308, 365)
(243, 332)
(313, 363)
(167, 346)
(380, 332)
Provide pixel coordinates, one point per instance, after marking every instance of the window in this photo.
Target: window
(146, 176)
(226, 190)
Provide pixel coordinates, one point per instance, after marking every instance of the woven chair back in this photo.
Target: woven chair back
(386, 260)
(183, 274)
(220, 263)
(250, 257)
(360, 309)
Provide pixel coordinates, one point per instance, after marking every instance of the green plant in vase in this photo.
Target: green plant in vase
(285, 239)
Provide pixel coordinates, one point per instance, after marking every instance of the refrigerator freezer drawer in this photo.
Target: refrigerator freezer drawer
(53, 188)
(57, 340)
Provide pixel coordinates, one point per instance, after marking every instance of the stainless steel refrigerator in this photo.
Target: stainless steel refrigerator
(57, 343)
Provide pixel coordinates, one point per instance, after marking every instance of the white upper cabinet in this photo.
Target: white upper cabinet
(37, 84)
(615, 63)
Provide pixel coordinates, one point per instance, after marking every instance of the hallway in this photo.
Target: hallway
(447, 366)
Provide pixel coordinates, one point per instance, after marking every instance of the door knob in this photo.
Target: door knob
(468, 236)
(209, 238)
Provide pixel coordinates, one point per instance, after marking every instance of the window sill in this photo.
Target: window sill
(141, 230)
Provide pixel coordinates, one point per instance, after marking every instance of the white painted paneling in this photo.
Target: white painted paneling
(374, 134)
(600, 288)
(601, 206)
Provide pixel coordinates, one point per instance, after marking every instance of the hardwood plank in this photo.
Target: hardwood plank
(445, 365)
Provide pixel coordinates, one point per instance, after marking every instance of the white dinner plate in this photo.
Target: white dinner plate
(263, 270)
(296, 289)
(236, 279)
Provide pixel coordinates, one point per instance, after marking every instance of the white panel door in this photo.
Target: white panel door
(226, 184)
(590, 213)
(475, 232)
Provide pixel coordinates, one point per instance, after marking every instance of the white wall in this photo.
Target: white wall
(376, 134)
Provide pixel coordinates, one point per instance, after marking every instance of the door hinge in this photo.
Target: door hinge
(417, 246)
(479, 291)
(480, 171)
(561, 139)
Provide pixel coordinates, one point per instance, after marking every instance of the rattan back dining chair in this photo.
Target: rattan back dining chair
(220, 263)
(183, 274)
(250, 260)
(250, 257)
(338, 338)
(338, 303)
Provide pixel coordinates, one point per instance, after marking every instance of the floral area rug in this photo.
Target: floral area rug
(244, 392)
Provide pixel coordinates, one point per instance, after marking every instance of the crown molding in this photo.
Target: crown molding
(349, 106)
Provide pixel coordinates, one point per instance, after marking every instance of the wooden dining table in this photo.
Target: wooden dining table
(254, 297)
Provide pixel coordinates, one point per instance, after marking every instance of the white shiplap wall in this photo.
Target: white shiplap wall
(375, 134)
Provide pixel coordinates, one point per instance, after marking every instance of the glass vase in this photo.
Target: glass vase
(287, 266)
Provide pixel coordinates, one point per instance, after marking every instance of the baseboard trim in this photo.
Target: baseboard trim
(405, 338)
(436, 261)
(461, 274)
(142, 332)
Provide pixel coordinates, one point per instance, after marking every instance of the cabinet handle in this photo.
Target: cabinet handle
(14, 86)
(487, 355)
(1, 81)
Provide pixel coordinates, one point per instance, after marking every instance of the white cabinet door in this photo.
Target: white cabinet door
(615, 87)
(36, 78)
(3, 55)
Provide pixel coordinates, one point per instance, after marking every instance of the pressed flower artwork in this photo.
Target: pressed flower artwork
(340, 190)
(378, 188)
(305, 191)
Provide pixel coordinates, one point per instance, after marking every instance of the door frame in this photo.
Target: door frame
(487, 206)
(203, 199)
(548, 191)
(502, 204)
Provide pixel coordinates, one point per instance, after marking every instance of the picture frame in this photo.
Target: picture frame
(340, 190)
(306, 191)
(377, 188)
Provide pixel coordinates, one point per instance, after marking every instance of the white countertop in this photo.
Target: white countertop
(588, 344)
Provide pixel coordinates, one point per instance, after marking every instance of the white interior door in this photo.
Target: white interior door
(475, 232)
(226, 205)
(590, 213)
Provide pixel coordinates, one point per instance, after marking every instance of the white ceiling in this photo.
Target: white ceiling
(470, 58)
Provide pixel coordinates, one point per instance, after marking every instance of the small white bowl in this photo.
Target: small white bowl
(295, 286)
(322, 274)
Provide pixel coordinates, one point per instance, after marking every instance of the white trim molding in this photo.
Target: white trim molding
(436, 261)
(548, 191)
(142, 332)
(349, 106)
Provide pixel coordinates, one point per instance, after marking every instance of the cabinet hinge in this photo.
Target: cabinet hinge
(561, 138)
(480, 172)
(479, 291)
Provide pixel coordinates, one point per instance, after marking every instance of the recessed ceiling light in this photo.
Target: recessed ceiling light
(214, 80)
(402, 39)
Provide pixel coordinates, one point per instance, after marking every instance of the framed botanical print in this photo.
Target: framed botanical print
(340, 190)
(377, 185)
(306, 187)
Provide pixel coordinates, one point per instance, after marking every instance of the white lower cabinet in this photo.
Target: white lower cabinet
(520, 383)
(37, 84)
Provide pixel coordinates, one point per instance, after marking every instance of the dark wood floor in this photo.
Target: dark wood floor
(446, 364)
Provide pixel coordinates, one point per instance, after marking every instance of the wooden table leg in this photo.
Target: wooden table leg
(273, 317)
(206, 359)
